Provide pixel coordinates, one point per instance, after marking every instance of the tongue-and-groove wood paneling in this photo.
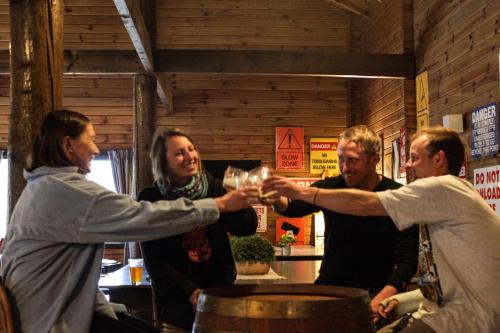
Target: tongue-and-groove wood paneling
(229, 116)
(457, 42)
(387, 105)
(251, 24)
(234, 116)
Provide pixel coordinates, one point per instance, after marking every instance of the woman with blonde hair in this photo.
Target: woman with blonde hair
(180, 266)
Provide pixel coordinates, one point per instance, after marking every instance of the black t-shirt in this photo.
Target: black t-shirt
(362, 252)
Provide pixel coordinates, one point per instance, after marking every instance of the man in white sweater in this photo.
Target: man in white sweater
(464, 231)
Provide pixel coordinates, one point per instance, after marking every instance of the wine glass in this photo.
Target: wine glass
(234, 178)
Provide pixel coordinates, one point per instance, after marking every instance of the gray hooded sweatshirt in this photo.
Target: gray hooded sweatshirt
(54, 245)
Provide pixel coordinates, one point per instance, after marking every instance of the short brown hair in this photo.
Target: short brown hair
(158, 153)
(47, 148)
(447, 140)
(363, 136)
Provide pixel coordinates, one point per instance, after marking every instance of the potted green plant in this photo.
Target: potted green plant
(252, 254)
(285, 243)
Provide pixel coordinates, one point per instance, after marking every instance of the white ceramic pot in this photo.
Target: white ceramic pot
(258, 268)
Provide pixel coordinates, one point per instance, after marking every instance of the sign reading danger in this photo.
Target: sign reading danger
(323, 154)
(289, 148)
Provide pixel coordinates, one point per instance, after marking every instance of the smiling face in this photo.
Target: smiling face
(83, 149)
(357, 167)
(182, 159)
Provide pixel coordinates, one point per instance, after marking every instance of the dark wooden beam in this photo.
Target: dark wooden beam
(242, 62)
(286, 62)
(100, 62)
(135, 23)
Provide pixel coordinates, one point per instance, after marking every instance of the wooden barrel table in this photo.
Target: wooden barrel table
(287, 308)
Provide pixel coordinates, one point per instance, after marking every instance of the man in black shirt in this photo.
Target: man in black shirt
(361, 252)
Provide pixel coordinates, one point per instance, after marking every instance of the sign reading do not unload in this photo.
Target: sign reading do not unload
(487, 183)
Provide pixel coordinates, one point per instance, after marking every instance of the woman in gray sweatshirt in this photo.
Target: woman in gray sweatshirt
(54, 244)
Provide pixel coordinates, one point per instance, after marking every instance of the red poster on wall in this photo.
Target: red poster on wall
(289, 148)
(402, 152)
(296, 224)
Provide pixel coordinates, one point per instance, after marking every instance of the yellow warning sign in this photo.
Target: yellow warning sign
(323, 156)
(422, 95)
(422, 92)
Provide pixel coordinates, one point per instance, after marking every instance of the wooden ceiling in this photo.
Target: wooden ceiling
(274, 37)
(300, 37)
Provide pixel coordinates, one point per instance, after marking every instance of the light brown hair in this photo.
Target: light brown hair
(362, 136)
(447, 140)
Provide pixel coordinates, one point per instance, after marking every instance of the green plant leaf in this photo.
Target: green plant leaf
(252, 249)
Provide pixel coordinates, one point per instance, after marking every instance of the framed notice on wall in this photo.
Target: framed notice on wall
(486, 182)
(422, 96)
(484, 134)
(289, 148)
(323, 156)
(261, 212)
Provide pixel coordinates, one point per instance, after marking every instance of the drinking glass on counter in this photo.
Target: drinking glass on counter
(135, 266)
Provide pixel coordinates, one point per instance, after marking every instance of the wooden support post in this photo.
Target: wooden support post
(36, 30)
(144, 117)
(140, 21)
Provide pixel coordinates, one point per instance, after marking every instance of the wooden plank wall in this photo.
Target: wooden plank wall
(387, 105)
(229, 116)
(251, 24)
(457, 42)
(107, 100)
(94, 24)
(233, 117)
(88, 24)
(4, 25)
(4, 110)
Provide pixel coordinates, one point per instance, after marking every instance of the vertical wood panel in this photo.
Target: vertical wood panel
(388, 105)
(231, 117)
(256, 24)
(457, 43)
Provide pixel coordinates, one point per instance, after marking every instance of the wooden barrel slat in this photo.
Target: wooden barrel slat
(283, 308)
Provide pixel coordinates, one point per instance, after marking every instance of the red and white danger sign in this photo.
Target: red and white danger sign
(289, 148)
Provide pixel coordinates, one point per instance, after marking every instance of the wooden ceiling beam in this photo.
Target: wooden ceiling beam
(99, 62)
(287, 62)
(359, 7)
(238, 62)
(135, 24)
